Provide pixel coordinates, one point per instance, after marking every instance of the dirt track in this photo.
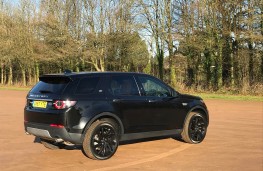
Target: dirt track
(234, 142)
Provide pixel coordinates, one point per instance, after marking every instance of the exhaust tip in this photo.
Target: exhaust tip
(27, 133)
(59, 140)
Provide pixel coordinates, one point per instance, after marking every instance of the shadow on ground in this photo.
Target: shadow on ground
(79, 147)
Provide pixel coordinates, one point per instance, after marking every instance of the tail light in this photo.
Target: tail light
(59, 104)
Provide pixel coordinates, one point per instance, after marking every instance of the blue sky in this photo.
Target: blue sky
(15, 2)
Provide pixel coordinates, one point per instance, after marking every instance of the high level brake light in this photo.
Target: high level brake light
(60, 104)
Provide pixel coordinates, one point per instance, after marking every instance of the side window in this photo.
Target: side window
(123, 86)
(87, 85)
(153, 87)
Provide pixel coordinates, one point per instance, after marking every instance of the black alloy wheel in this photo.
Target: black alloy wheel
(101, 139)
(104, 141)
(197, 128)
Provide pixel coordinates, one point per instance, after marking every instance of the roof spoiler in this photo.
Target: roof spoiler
(62, 77)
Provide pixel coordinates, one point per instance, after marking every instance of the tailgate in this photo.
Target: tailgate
(40, 100)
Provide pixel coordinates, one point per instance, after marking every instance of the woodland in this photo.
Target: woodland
(202, 45)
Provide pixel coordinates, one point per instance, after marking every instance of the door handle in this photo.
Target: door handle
(117, 100)
(153, 100)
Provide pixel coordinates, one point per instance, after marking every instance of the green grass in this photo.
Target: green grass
(15, 88)
(229, 97)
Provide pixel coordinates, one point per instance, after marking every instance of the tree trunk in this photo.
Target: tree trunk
(232, 68)
(37, 72)
(23, 72)
(29, 72)
(217, 71)
(10, 75)
(5, 76)
(220, 68)
(102, 61)
(77, 68)
(190, 76)
(236, 64)
(251, 64)
(82, 64)
(172, 78)
(226, 67)
(261, 68)
(160, 55)
(207, 67)
(2, 73)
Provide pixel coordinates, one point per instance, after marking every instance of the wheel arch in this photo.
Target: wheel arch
(199, 109)
(102, 116)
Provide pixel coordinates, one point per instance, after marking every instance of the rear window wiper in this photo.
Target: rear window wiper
(45, 91)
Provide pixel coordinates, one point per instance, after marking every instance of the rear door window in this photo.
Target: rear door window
(53, 85)
(123, 86)
(87, 85)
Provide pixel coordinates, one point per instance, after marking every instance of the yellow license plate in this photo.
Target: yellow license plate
(40, 104)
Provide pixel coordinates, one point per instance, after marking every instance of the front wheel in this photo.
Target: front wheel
(101, 139)
(195, 128)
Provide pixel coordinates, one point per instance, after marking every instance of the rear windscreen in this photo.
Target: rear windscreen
(53, 85)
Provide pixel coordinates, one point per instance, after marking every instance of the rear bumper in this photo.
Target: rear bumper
(52, 133)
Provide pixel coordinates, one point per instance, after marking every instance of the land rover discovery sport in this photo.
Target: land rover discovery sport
(99, 109)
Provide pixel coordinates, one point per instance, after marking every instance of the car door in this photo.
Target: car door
(127, 102)
(163, 104)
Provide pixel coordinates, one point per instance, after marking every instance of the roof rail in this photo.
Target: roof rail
(67, 71)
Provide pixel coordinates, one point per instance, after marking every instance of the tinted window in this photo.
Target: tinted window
(54, 85)
(87, 85)
(123, 86)
(153, 87)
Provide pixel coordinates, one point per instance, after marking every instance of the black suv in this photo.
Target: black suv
(99, 109)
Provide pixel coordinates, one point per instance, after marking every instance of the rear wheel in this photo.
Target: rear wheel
(195, 127)
(51, 144)
(101, 139)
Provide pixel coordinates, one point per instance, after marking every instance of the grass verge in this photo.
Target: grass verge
(15, 88)
(229, 97)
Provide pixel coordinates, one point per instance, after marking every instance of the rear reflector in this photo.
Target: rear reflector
(57, 125)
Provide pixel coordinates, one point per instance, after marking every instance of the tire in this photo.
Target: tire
(51, 144)
(101, 139)
(195, 127)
